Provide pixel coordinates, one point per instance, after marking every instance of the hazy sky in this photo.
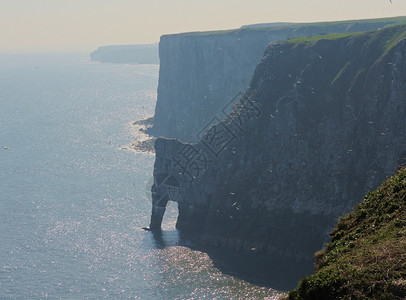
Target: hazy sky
(83, 25)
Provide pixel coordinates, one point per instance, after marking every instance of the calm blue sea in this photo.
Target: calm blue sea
(72, 202)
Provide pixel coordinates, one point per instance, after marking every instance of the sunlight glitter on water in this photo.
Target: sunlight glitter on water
(193, 272)
(73, 203)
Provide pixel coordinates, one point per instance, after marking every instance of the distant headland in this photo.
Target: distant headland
(127, 54)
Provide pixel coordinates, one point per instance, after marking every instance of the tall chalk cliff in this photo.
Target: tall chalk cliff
(322, 122)
(200, 73)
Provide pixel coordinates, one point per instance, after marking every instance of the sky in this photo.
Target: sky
(29, 26)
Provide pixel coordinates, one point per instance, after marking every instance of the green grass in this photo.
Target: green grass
(312, 39)
(341, 72)
(390, 21)
(394, 20)
(366, 258)
(384, 39)
(393, 41)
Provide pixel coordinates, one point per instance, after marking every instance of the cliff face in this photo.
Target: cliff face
(322, 122)
(200, 73)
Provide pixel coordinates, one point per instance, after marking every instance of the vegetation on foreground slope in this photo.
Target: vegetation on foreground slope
(366, 258)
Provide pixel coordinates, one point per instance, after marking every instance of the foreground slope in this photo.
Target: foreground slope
(366, 258)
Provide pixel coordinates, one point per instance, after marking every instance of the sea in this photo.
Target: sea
(73, 202)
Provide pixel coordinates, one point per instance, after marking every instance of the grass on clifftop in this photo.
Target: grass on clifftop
(311, 39)
(385, 38)
(366, 258)
(298, 26)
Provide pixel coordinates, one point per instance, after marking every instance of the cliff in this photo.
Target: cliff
(201, 72)
(127, 54)
(322, 123)
(366, 258)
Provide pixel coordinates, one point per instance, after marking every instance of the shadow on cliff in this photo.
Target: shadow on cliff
(276, 273)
